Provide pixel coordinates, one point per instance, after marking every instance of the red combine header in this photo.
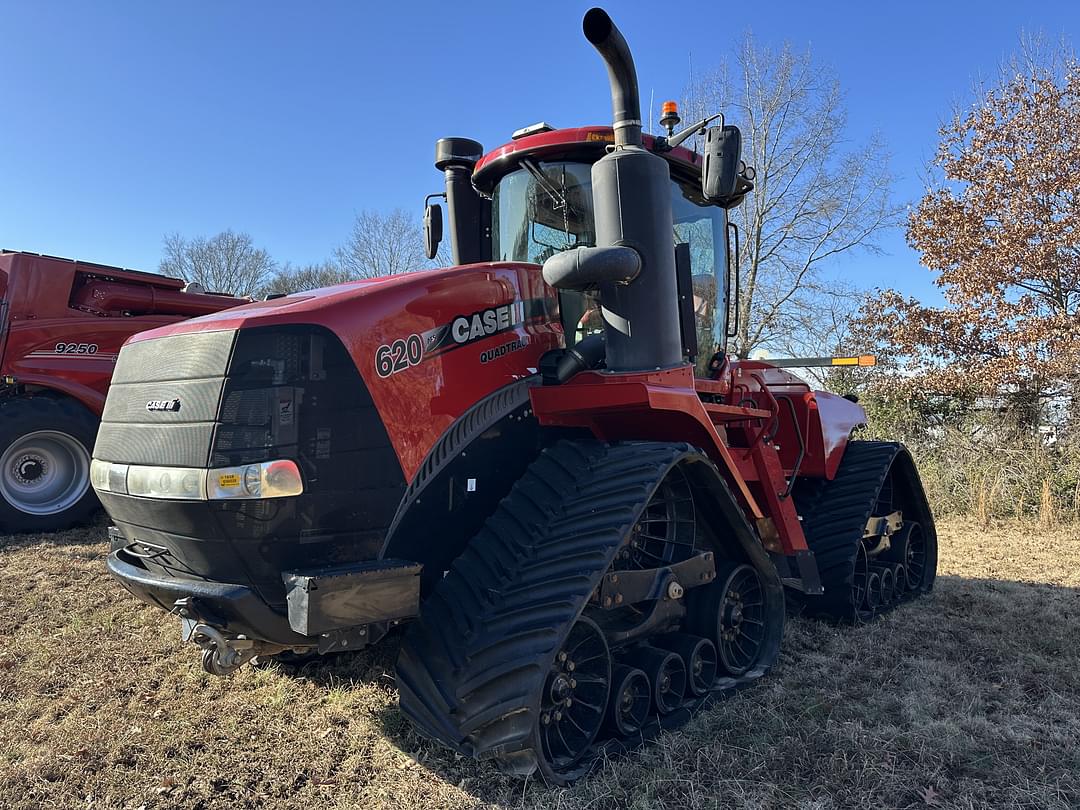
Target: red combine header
(62, 323)
(519, 457)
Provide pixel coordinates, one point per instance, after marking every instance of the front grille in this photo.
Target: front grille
(188, 356)
(186, 371)
(289, 392)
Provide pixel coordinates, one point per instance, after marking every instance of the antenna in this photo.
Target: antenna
(652, 95)
(693, 95)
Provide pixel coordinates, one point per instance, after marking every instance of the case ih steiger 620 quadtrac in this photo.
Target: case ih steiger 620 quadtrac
(61, 325)
(514, 456)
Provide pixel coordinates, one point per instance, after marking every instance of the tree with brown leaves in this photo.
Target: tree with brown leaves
(1000, 226)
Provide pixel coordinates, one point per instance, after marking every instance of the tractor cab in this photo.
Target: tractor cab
(532, 198)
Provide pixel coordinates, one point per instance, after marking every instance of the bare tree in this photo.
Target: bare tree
(290, 279)
(383, 245)
(228, 262)
(814, 197)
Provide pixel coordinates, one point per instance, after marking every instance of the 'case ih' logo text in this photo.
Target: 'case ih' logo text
(163, 405)
(486, 322)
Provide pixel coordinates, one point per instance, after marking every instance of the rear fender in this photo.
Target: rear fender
(831, 421)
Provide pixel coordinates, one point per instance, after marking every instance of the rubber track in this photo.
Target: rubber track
(834, 518)
(471, 668)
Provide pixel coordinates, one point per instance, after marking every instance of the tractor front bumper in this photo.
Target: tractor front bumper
(343, 607)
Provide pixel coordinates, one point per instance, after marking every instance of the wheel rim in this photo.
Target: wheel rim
(575, 695)
(858, 580)
(900, 580)
(915, 559)
(888, 585)
(630, 700)
(666, 531)
(741, 620)
(873, 591)
(670, 686)
(45, 472)
(701, 667)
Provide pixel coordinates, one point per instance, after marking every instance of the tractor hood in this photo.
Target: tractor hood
(425, 346)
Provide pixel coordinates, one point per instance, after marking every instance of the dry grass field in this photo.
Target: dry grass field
(970, 698)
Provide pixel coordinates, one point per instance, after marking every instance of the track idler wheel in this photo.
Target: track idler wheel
(575, 697)
(667, 674)
(731, 613)
(699, 655)
(912, 551)
(631, 699)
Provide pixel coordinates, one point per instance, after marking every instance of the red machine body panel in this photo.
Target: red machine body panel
(64, 321)
(480, 326)
(559, 142)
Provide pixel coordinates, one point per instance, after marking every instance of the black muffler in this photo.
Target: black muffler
(632, 202)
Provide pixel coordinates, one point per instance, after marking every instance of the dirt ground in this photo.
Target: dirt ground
(969, 698)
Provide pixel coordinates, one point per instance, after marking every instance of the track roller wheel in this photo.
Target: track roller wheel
(888, 584)
(631, 698)
(699, 655)
(667, 674)
(900, 580)
(873, 591)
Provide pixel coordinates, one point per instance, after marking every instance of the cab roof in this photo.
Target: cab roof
(586, 144)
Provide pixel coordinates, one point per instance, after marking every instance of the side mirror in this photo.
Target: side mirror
(720, 167)
(432, 229)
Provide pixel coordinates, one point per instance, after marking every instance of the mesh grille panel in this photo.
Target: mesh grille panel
(175, 357)
(163, 445)
(198, 401)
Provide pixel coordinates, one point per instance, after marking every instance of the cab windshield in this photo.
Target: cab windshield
(544, 208)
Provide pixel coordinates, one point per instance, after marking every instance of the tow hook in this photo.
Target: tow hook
(222, 656)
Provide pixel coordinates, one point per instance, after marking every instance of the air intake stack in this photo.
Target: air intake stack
(633, 264)
(470, 237)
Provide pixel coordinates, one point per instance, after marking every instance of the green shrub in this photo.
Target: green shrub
(985, 463)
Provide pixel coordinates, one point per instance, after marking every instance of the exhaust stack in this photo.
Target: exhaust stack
(625, 104)
(639, 299)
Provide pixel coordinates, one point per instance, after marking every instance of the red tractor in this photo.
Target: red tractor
(515, 458)
(62, 323)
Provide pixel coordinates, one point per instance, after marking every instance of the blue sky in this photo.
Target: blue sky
(126, 120)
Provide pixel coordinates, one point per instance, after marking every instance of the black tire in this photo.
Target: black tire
(474, 670)
(874, 478)
(46, 439)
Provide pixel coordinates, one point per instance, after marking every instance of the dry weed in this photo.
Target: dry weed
(969, 698)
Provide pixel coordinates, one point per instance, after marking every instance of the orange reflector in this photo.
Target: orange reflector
(861, 360)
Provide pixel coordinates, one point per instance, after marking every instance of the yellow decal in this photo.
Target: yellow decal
(227, 480)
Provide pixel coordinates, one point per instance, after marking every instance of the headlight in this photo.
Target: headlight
(177, 483)
(270, 479)
(108, 477)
